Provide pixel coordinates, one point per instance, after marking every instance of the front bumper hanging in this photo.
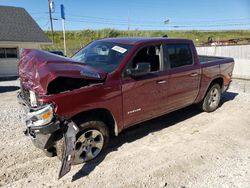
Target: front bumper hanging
(69, 151)
(45, 136)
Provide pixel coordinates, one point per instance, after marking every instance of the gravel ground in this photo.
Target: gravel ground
(186, 148)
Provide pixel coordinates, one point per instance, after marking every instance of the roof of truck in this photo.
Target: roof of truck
(139, 40)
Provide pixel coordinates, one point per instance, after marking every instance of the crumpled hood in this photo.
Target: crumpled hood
(38, 68)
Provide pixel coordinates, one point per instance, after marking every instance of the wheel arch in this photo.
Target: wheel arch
(101, 114)
(204, 104)
(218, 79)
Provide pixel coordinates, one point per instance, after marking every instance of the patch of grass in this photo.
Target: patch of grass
(78, 39)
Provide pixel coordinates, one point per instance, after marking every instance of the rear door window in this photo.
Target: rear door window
(179, 55)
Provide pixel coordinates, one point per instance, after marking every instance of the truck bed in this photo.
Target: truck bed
(208, 59)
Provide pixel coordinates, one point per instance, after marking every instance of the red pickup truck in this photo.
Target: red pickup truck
(73, 105)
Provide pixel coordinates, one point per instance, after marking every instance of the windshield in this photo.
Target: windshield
(105, 56)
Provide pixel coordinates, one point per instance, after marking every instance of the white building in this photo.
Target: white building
(17, 30)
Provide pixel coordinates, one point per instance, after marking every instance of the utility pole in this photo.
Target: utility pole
(51, 23)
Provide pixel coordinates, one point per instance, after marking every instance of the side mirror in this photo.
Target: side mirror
(141, 69)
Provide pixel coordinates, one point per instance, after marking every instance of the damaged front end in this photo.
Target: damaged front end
(40, 119)
(45, 129)
(43, 74)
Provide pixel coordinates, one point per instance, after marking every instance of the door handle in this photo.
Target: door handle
(161, 82)
(194, 74)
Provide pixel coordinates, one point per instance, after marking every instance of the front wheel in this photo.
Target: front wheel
(92, 138)
(212, 99)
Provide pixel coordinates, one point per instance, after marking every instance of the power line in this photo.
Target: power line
(51, 21)
(112, 19)
(38, 12)
(157, 22)
(46, 24)
(148, 24)
(40, 18)
(212, 25)
(114, 23)
(225, 21)
(153, 22)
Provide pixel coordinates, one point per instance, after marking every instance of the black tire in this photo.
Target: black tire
(83, 128)
(209, 103)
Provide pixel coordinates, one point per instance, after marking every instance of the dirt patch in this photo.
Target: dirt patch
(186, 148)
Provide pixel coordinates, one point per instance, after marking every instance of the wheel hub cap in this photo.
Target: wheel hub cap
(88, 146)
(213, 100)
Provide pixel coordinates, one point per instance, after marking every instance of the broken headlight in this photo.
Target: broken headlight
(41, 117)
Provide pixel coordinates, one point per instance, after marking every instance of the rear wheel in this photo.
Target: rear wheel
(92, 138)
(212, 99)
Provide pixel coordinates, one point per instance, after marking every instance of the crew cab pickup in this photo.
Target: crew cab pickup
(74, 105)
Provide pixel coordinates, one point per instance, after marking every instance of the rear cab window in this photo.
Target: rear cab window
(178, 55)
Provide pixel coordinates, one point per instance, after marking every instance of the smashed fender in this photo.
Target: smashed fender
(69, 150)
(37, 69)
